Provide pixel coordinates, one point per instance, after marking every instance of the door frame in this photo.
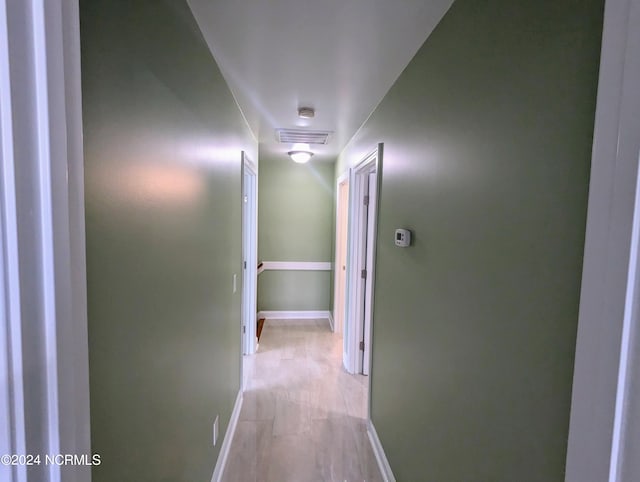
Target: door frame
(357, 299)
(608, 311)
(40, 73)
(249, 200)
(342, 214)
(12, 416)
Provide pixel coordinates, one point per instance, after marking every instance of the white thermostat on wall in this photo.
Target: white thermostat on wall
(403, 238)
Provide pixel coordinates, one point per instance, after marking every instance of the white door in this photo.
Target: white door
(360, 262)
(249, 257)
(358, 329)
(369, 260)
(342, 217)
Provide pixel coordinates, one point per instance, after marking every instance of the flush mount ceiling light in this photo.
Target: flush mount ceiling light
(300, 156)
(306, 112)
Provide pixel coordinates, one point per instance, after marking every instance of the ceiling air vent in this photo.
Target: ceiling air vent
(302, 136)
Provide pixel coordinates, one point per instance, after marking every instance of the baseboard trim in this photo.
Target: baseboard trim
(228, 438)
(333, 327)
(295, 315)
(381, 458)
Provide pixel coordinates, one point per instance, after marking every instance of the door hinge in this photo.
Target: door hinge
(362, 345)
(245, 265)
(366, 200)
(244, 329)
(363, 274)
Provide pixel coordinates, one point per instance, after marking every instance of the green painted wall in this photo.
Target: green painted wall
(487, 140)
(162, 137)
(294, 290)
(295, 223)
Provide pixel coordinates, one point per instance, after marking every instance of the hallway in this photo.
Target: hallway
(303, 417)
(172, 171)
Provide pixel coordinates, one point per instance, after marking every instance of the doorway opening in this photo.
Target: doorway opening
(364, 181)
(249, 255)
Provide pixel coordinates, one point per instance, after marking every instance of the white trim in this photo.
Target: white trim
(343, 177)
(593, 436)
(43, 53)
(372, 228)
(12, 438)
(356, 258)
(58, 89)
(378, 451)
(73, 340)
(626, 370)
(331, 322)
(249, 162)
(221, 463)
(624, 465)
(295, 315)
(249, 292)
(46, 203)
(296, 266)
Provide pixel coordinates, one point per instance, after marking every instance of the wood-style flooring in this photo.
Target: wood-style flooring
(303, 415)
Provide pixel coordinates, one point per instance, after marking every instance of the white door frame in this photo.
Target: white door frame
(370, 248)
(339, 313)
(12, 417)
(41, 134)
(360, 293)
(607, 313)
(249, 176)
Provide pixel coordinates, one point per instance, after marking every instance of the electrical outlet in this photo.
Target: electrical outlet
(215, 431)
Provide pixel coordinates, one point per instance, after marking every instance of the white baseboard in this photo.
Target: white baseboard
(295, 315)
(228, 438)
(383, 463)
(333, 327)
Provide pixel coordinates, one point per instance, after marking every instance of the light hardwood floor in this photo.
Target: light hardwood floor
(303, 415)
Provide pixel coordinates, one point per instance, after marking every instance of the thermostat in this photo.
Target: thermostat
(403, 238)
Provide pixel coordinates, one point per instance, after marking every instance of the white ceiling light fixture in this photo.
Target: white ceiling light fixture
(306, 112)
(300, 156)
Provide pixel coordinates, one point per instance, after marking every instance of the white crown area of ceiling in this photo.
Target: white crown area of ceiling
(338, 56)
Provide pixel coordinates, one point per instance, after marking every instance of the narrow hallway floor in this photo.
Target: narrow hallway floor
(303, 417)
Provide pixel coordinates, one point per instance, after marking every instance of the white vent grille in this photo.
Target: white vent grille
(302, 136)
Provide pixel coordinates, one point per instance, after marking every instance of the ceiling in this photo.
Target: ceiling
(337, 56)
